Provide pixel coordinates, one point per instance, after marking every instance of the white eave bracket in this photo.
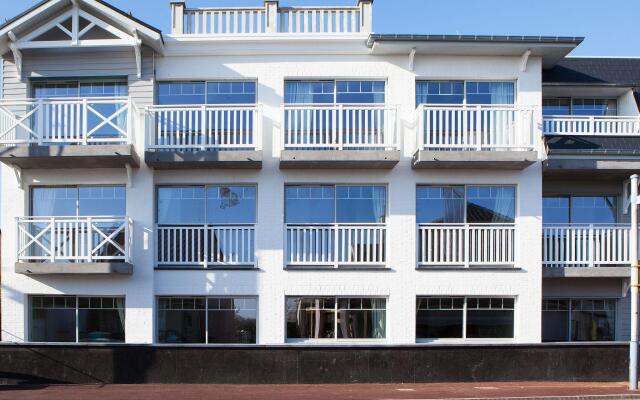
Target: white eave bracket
(17, 171)
(412, 58)
(525, 60)
(129, 170)
(627, 201)
(17, 54)
(137, 48)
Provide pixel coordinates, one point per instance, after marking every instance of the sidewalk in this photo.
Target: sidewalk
(503, 390)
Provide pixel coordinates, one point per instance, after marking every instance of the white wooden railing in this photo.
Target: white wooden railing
(206, 246)
(475, 127)
(466, 245)
(591, 125)
(585, 245)
(74, 239)
(336, 245)
(272, 19)
(205, 127)
(339, 127)
(66, 121)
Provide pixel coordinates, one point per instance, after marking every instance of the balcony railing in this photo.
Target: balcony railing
(336, 245)
(66, 121)
(591, 125)
(205, 127)
(74, 239)
(272, 19)
(339, 127)
(466, 245)
(584, 245)
(475, 127)
(206, 246)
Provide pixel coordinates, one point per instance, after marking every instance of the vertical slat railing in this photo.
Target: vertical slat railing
(591, 125)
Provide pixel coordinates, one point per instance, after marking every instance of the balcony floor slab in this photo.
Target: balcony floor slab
(506, 160)
(180, 159)
(96, 268)
(339, 159)
(31, 156)
(590, 167)
(585, 272)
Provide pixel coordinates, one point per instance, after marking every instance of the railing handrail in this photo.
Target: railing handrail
(477, 106)
(584, 224)
(248, 224)
(462, 224)
(221, 9)
(339, 105)
(592, 117)
(57, 100)
(73, 218)
(163, 107)
(338, 224)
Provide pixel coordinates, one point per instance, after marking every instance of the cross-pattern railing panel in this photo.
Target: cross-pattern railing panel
(336, 245)
(591, 125)
(585, 245)
(74, 239)
(466, 245)
(475, 127)
(206, 246)
(66, 121)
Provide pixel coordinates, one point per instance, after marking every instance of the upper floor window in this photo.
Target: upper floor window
(579, 106)
(465, 92)
(579, 209)
(79, 88)
(470, 204)
(78, 201)
(324, 204)
(215, 92)
(334, 92)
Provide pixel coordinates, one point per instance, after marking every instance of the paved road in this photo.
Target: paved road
(589, 390)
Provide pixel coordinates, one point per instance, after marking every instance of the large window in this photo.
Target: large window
(465, 92)
(579, 209)
(81, 201)
(77, 319)
(335, 318)
(578, 320)
(558, 106)
(207, 320)
(338, 92)
(464, 318)
(215, 92)
(327, 204)
(465, 204)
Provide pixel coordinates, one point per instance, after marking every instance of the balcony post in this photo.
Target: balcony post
(205, 236)
(85, 124)
(203, 128)
(39, 122)
(467, 250)
(271, 16)
(177, 17)
(336, 240)
(90, 239)
(339, 121)
(633, 257)
(592, 243)
(52, 240)
(366, 15)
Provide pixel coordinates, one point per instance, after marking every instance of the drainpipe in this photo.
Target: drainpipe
(633, 257)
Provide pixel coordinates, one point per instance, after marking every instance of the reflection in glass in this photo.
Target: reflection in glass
(310, 318)
(440, 204)
(491, 204)
(360, 204)
(53, 319)
(101, 319)
(231, 204)
(593, 320)
(232, 320)
(181, 205)
(593, 209)
(181, 320)
(555, 210)
(439, 317)
(361, 318)
(490, 318)
(309, 204)
(555, 320)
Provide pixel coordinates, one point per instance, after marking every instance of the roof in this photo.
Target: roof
(594, 71)
(473, 38)
(593, 145)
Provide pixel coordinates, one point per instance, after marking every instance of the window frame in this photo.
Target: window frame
(335, 89)
(571, 104)
(77, 189)
(464, 90)
(78, 81)
(568, 329)
(570, 197)
(206, 83)
(465, 309)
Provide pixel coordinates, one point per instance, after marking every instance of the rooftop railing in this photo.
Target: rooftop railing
(271, 19)
(591, 125)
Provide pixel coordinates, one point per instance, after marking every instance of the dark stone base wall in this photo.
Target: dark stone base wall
(317, 364)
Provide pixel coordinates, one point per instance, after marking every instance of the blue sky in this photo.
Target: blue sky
(611, 27)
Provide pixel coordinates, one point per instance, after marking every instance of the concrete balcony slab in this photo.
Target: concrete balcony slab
(339, 159)
(507, 160)
(31, 156)
(96, 268)
(179, 159)
(585, 272)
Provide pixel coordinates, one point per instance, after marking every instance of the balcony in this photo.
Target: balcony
(591, 125)
(336, 246)
(331, 136)
(68, 133)
(585, 250)
(475, 136)
(466, 245)
(74, 245)
(206, 246)
(271, 19)
(204, 136)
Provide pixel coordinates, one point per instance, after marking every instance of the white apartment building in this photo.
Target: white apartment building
(283, 175)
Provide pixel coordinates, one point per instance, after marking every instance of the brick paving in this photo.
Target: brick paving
(485, 390)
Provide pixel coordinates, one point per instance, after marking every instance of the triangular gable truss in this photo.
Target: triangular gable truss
(84, 31)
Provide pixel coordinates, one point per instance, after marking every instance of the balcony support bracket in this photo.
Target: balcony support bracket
(17, 54)
(17, 171)
(412, 57)
(137, 48)
(129, 170)
(525, 60)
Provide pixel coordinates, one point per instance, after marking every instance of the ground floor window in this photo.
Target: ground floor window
(465, 317)
(335, 318)
(578, 320)
(77, 319)
(207, 320)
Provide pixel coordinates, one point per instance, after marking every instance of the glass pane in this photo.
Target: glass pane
(491, 204)
(102, 200)
(54, 201)
(490, 93)
(310, 318)
(556, 106)
(594, 107)
(357, 322)
(360, 92)
(555, 326)
(181, 205)
(104, 89)
(309, 92)
(181, 320)
(593, 209)
(440, 204)
(44, 90)
(555, 210)
(234, 324)
(592, 325)
(102, 321)
(231, 204)
(181, 93)
(53, 319)
(309, 204)
(489, 324)
(361, 204)
(231, 92)
(440, 92)
(439, 317)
